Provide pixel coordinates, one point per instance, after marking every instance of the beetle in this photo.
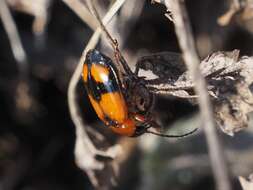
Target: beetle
(120, 99)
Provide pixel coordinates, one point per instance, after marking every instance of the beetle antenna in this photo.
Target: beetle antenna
(119, 57)
(171, 136)
(94, 11)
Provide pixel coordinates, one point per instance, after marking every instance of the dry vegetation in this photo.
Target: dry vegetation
(197, 60)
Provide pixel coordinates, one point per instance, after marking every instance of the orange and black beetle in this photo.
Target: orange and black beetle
(123, 104)
(104, 88)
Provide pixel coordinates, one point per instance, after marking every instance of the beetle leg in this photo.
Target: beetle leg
(154, 128)
(143, 128)
(121, 60)
(137, 68)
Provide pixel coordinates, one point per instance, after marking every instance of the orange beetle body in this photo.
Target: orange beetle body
(104, 90)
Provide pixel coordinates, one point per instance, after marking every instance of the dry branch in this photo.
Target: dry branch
(13, 35)
(85, 151)
(80, 9)
(185, 38)
(129, 14)
(24, 100)
(229, 84)
(38, 9)
(240, 10)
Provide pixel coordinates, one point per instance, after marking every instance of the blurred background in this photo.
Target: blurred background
(37, 135)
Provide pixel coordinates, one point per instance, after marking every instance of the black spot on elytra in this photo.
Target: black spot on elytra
(97, 89)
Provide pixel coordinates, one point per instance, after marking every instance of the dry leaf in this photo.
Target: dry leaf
(247, 184)
(229, 79)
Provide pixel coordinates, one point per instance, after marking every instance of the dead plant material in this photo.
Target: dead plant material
(247, 184)
(239, 10)
(38, 9)
(185, 40)
(88, 158)
(229, 83)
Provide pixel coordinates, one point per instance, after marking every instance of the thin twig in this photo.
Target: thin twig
(128, 17)
(95, 13)
(237, 4)
(120, 60)
(185, 38)
(39, 9)
(83, 142)
(13, 35)
(80, 9)
(73, 106)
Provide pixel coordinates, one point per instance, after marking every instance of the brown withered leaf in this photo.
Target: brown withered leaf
(247, 184)
(239, 11)
(230, 82)
(229, 79)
